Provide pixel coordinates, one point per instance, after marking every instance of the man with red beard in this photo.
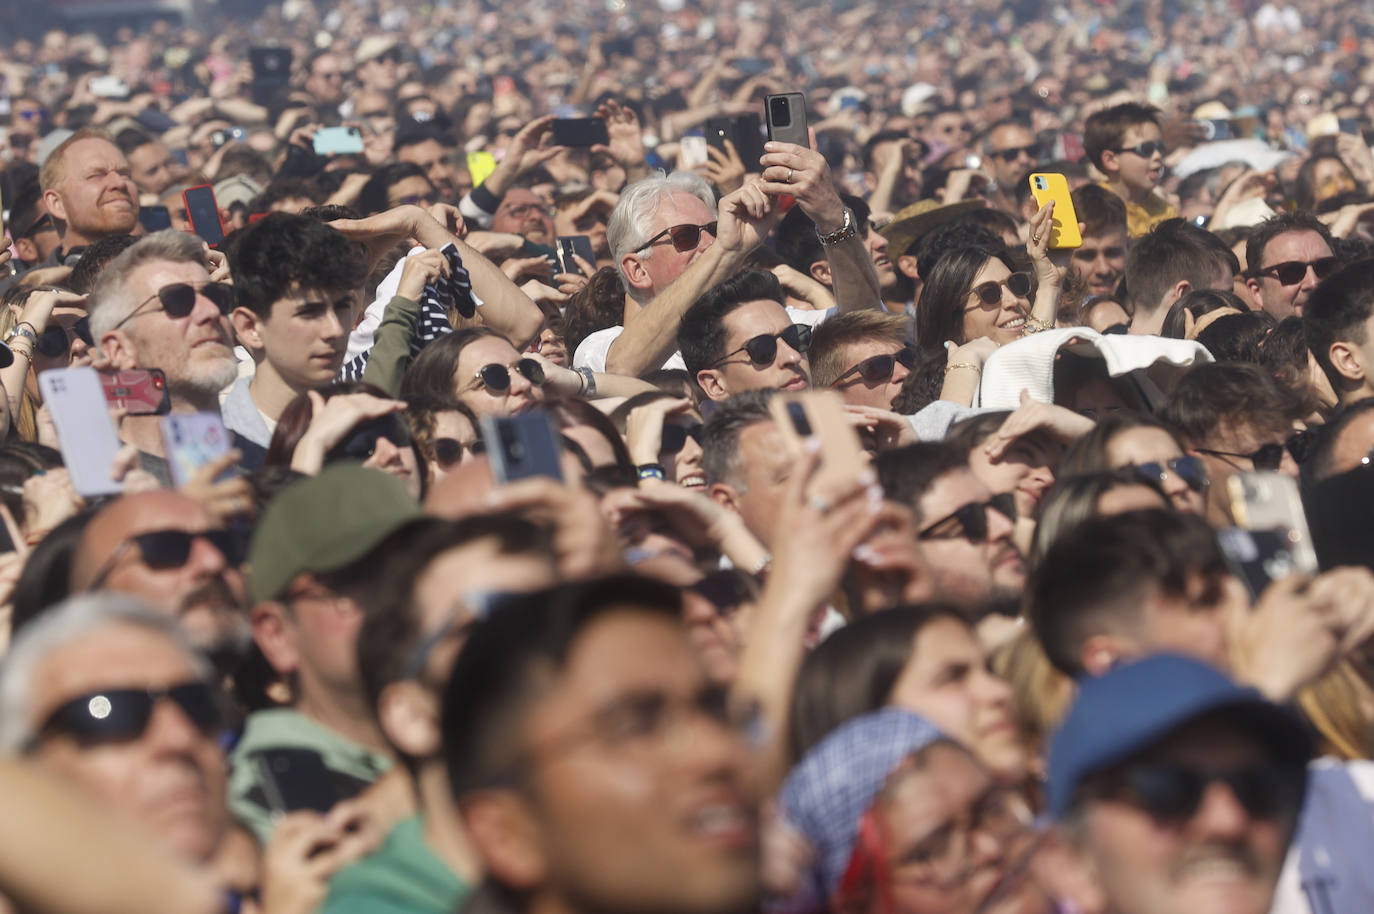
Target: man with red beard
(89, 190)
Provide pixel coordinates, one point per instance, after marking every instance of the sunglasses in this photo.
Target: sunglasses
(1147, 149)
(1173, 793)
(497, 377)
(121, 715)
(1190, 469)
(675, 437)
(447, 451)
(165, 550)
(763, 349)
(1011, 155)
(990, 292)
(971, 521)
(53, 342)
(44, 223)
(1268, 457)
(179, 299)
(1292, 272)
(684, 237)
(879, 368)
(725, 589)
(361, 443)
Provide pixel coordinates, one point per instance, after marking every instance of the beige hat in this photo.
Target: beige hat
(907, 227)
(373, 46)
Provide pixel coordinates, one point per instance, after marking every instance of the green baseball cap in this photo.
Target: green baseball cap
(325, 523)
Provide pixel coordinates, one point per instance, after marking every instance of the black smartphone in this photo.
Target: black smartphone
(295, 779)
(1258, 557)
(521, 446)
(786, 117)
(570, 245)
(745, 131)
(613, 46)
(202, 211)
(271, 69)
(154, 218)
(580, 131)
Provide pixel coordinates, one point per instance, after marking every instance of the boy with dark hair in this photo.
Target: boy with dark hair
(1100, 261)
(1124, 143)
(1336, 321)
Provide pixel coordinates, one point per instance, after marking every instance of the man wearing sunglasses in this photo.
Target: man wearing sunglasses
(864, 356)
(34, 232)
(739, 337)
(89, 191)
(1009, 153)
(114, 700)
(1178, 791)
(1288, 255)
(1337, 322)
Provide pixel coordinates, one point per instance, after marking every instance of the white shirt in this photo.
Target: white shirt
(1328, 869)
(360, 340)
(591, 353)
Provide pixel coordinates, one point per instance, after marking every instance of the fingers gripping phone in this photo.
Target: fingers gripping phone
(569, 248)
(1064, 227)
(820, 414)
(192, 440)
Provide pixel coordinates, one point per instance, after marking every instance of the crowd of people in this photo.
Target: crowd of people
(892, 554)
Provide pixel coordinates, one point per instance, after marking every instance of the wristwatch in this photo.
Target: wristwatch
(22, 330)
(843, 233)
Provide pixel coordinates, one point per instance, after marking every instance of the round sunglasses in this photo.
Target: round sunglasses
(990, 293)
(683, 237)
(879, 368)
(54, 342)
(497, 377)
(1190, 469)
(763, 349)
(179, 299)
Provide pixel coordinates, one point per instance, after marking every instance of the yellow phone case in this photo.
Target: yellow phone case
(1047, 186)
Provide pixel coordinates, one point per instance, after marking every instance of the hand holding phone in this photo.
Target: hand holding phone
(522, 446)
(1047, 187)
(570, 247)
(820, 415)
(786, 118)
(338, 141)
(191, 441)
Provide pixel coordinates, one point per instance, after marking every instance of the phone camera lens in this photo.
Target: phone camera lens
(782, 114)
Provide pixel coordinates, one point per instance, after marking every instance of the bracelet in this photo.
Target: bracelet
(843, 233)
(953, 365)
(1035, 325)
(32, 328)
(588, 383)
(651, 471)
(24, 329)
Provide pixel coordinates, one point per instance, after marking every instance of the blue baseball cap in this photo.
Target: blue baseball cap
(1136, 705)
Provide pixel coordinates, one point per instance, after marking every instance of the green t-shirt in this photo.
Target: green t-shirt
(401, 877)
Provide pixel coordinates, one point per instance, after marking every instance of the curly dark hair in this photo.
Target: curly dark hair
(283, 251)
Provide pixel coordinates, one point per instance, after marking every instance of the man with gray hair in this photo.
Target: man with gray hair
(111, 697)
(156, 306)
(671, 243)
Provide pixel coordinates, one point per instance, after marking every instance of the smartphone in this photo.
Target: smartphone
(1269, 501)
(203, 212)
(296, 779)
(191, 440)
(1064, 229)
(745, 131)
(752, 66)
(154, 218)
(109, 87)
(1257, 557)
(480, 166)
(786, 118)
(570, 245)
(1349, 125)
(271, 71)
(332, 141)
(1216, 130)
(622, 46)
(141, 392)
(691, 152)
(820, 414)
(85, 432)
(521, 446)
(580, 131)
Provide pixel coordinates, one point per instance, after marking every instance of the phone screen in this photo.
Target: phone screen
(203, 213)
(338, 141)
(570, 245)
(580, 131)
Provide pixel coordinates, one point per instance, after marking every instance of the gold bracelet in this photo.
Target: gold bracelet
(1035, 325)
(953, 365)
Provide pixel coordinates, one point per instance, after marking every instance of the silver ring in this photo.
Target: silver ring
(818, 504)
(788, 179)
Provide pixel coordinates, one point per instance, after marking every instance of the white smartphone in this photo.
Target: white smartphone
(692, 152)
(87, 436)
(1268, 501)
(191, 441)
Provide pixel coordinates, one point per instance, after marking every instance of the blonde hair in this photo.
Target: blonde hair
(54, 170)
(1040, 694)
(1339, 707)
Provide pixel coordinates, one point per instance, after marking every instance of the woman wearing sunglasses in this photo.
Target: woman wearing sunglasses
(479, 368)
(663, 434)
(45, 329)
(349, 420)
(445, 433)
(1149, 447)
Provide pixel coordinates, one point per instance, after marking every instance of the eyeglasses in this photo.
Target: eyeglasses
(121, 715)
(1292, 272)
(879, 368)
(1189, 469)
(684, 237)
(521, 210)
(762, 349)
(947, 856)
(179, 299)
(43, 223)
(448, 451)
(1146, 149)
(990, 293)
(471, 608)
(497, 377)
(1011, 155)
(415, 200)
(675, 437)
(724, 589)
(165, 550)
(361, 443)
(1173, 793)
(1268, 457)
(971, 521)
(53, 342)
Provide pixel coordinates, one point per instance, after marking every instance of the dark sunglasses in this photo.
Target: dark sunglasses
(675, 437)
(725, 589)
(497, 377)
(1292, 272)
(53, 342)
(447, 451)
(762, 349)
(1172, 793)
(1190, 469)
(879, 368)
(121, 715)
(971, 521)
(1268, 457)
(361, 443)
(1010, 155)
(41, 224)
(684, 237)
(990, 292)
(179, 299)
(1147, 149)
(164, 550)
